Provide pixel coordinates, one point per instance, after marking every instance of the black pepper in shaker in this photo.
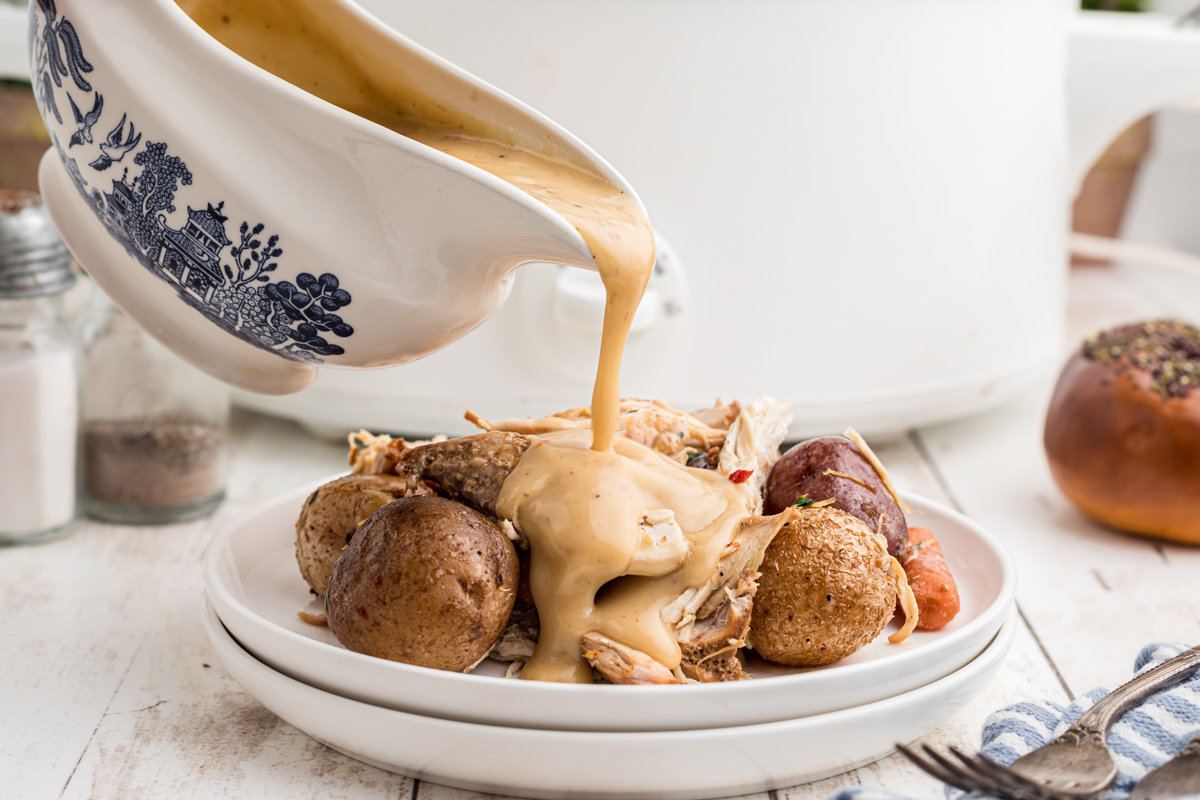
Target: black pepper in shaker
(155, 429)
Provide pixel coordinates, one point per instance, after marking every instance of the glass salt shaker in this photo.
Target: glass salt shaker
(155, 429)
(39, 383)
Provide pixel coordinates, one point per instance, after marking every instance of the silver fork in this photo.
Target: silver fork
(1076, 764)
(1179, 777)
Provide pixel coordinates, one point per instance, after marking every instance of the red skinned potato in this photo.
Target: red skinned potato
(930, 579)
(833, 467)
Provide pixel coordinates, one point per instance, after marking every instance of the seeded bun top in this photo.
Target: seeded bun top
(1168, 350)
(1122, 432)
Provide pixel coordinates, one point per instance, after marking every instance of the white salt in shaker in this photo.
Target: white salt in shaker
(39, 384)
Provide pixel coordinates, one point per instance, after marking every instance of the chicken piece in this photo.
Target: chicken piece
(710, 647)
(711, 621)
(663, 547)
(374, 455)
(527, 426)
(517, 642)
(651, 423)
(377, 455)
(623, 665)
(720, 416)
(471, 469)
(752, 445)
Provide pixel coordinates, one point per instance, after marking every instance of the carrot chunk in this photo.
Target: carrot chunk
(930, 579)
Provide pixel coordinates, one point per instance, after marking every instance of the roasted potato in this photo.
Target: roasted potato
(827, 589)
(833, 467)
(425, 581)
(330, 517)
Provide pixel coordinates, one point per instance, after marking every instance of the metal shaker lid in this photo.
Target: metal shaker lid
(33, 259)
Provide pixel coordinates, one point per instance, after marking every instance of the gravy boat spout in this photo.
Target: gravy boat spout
(260, 227)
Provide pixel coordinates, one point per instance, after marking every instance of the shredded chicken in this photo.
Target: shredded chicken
(621, 664)
(721, 415)
(652, 423)
(518, 640)
(874, 461)
(904, 596)
(710, 646)
(369, 454)
(372, 454)
(663, 547)
(753, 443)
(711, 622)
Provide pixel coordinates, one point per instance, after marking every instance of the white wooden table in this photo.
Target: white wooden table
(109, 688)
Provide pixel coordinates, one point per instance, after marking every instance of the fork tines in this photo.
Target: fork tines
(978, 774)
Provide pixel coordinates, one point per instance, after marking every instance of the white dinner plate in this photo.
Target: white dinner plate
(254, 583)
(672, 765)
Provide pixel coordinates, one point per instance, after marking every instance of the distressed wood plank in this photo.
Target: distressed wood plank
(80, 610)
(180, 727)
(75, 618)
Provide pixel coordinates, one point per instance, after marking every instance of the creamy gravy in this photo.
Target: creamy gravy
(293, 40)
(581, 509)
(579, 496)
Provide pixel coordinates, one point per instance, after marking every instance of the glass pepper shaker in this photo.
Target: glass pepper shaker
(155, 429)
(39, 369)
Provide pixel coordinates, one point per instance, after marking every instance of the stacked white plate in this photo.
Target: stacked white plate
(485, 733)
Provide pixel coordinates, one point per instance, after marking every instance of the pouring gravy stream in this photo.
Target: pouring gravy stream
(584, 508)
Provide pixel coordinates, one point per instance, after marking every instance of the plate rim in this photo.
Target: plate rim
(1002, 641)
(219, 596)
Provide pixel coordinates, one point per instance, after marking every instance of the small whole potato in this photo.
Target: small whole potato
(832, 467)
(330, 517)
(826, 590)
(426, 581)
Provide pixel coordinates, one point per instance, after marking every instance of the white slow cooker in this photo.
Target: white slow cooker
(865, 200)
(861, 204)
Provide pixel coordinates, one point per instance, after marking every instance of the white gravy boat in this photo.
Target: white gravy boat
(258, 231)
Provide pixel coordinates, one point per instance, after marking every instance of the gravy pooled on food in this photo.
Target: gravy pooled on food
(584, 544)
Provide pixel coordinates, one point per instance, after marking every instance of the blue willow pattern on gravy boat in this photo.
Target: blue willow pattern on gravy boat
(227, 281)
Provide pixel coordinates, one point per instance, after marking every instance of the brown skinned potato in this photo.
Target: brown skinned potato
(426, 581)
(826, 590)
(330, 517)
(832, 467)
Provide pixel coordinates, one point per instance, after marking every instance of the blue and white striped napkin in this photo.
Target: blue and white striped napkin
(1142, 739)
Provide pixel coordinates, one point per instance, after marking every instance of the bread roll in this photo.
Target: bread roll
(1123, 430)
